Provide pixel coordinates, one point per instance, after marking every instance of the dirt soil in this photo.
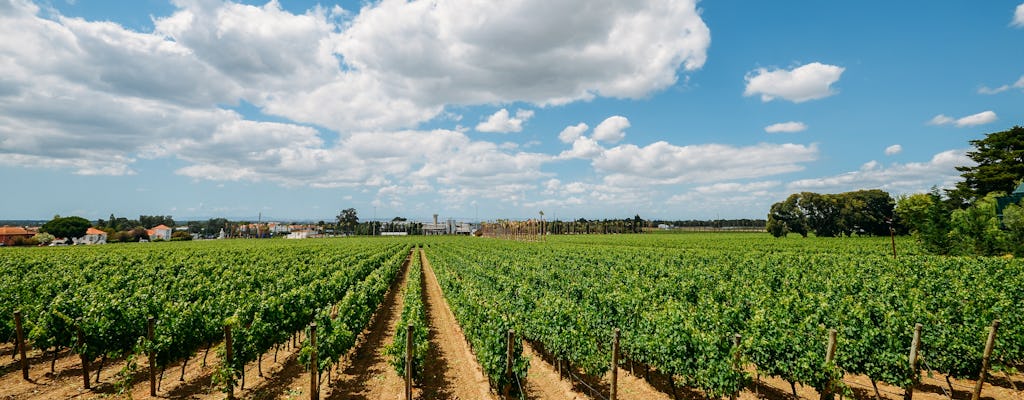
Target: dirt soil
(451, 370)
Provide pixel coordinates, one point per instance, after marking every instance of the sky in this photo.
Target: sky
(669, 109)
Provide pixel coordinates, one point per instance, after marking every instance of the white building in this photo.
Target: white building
(162, 232)
(92, 236)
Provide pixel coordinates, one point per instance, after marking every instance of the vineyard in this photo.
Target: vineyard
(712, 312)
(680, 303)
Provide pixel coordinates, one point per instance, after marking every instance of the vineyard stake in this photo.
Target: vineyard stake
(985, 359)
(830, 354)
(21, 344)
(227, 358)
(508, 362)
(314, 389)
(409, 362)
(613, 395)
(85, 360)
(736, 357)
(152, 357)
(914, 345)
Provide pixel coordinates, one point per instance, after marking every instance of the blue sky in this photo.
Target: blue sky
(667, 109)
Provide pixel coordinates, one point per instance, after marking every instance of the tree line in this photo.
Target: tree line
(978, 216)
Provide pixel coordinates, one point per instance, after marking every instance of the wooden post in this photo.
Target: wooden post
(736, 358)
(614, 392)
(409, 362)
(152, 356)
(227, 358)
(985, 359)
(314, 373)
(508, 361)
(85, 360)
(21, 344)
(914, 345)
(830, 354)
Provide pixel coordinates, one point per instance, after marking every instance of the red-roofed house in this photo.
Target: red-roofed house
(92, 236)
(161, 232)
(8, 233)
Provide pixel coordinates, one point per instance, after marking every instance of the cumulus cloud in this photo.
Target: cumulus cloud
(896, 178)
(572, 132)
(1018, 16)
(662, 163)
(1019, 84)
(807, 82)
(981, 118)
(94, 97)
(893, 150)
(612, 129)
(502, 122)
(787, 127)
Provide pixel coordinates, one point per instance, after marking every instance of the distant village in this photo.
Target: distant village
(116, 230)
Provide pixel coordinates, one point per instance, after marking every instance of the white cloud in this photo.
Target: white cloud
(893, 150)
(807, 82)
(572, 132)
(736, 187)
(896, 178)
(984, 117)
(583, 147)
(1019, 84)
(661, 163)
(612, 129)
(94, 96)
(501, 122)
(1018, 16)
(788, 127)
(941, 119)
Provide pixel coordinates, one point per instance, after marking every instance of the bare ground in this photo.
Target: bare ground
(451, 370)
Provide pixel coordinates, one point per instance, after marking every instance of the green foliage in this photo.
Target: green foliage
(66, 227)
(348, 219)
(413, 313)
(180, 236)
(43, 238)
(267, 291)
(975, 229)
(867, 212)
(786, 216)
(999, 159)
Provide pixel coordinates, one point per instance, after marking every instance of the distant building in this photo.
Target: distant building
(664, 227)
(1006, 201)
(92, 236)
(301, 234)
(9, 233)
(161, 232)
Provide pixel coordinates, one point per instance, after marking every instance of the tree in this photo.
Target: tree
(786, 216)
(975, 229)
(1000, 165)
(348, 219)
(66, 227)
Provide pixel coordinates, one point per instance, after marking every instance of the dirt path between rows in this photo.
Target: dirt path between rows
(451, 370)
(368, 375)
